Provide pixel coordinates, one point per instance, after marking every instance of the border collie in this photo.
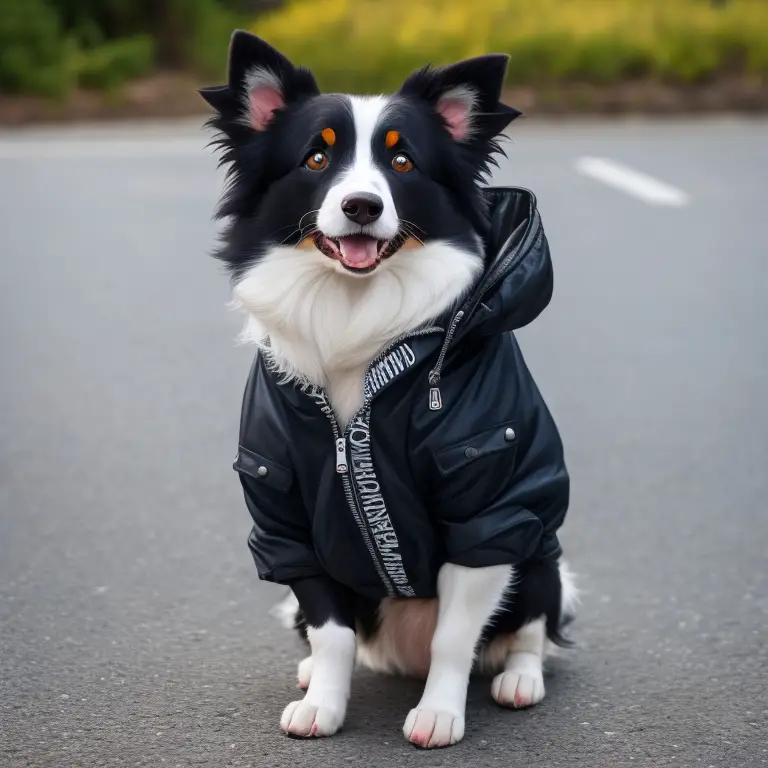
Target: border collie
(404, 475)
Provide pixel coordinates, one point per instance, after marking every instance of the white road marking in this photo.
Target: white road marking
(42, 149)
(635, 183)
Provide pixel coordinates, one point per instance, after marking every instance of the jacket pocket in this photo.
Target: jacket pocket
(262, 469)
(500, 439)
(475, 472)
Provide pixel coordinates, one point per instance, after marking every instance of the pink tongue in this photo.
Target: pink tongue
(358, 251)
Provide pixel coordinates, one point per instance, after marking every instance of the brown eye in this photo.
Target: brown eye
(316, 161)
(402, 163)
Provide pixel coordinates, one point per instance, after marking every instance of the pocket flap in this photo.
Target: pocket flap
(502, 437)
(262, 469)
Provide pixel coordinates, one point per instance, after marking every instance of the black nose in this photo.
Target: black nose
(362, 207)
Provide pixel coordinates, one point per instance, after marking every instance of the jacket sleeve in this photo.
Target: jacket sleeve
(281, 537)
(280, 540)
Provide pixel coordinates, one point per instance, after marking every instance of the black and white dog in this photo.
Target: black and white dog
(403, 473)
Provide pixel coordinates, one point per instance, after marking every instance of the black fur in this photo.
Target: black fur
(535, 591)
(322, 599)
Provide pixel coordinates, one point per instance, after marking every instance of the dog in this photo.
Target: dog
(403, 473)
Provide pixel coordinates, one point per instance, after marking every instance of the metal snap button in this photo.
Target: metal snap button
(471, 453)
(262, 471)
(509, 434)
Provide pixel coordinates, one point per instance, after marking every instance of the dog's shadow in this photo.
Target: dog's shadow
(378, 700)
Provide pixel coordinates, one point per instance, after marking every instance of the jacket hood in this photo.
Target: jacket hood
(516, 284)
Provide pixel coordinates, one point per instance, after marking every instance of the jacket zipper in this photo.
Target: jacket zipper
(435, 396)
(342, 458)
(342, 465)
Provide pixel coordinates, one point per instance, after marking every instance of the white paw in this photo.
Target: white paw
(300, 718)
(305, 673)
(518, 689)
(430, 728)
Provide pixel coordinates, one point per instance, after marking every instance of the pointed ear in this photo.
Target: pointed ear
(261, 81)
(217, 96)
(466, 95)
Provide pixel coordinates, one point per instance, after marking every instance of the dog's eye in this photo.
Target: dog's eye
(316, 161)
(402, 163)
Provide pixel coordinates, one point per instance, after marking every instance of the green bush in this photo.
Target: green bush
(186, 32)
(34, 52)
(108, 66)
(369, 45)
(49, 46)
(210, 26)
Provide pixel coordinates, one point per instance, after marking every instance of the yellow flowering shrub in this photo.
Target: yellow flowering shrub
(370, 44)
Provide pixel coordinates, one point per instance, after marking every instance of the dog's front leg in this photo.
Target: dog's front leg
(467, 598)
(327, 609)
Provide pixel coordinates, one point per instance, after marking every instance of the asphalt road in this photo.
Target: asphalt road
(133, 629)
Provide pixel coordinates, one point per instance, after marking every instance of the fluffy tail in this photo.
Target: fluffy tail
(288, 613)
(569, 599)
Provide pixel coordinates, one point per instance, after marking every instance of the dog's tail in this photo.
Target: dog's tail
(558, 620)
(289, 614)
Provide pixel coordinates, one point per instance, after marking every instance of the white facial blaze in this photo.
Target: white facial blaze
(363, 175)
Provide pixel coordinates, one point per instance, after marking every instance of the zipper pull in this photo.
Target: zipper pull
(435, 398)
(341, 456)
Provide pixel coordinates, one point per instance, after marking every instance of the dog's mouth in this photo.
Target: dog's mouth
(357, 253)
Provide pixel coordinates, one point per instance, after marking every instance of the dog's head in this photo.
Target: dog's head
(354, 182)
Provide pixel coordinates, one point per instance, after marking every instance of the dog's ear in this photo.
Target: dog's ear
(467, 96)
(260, 81)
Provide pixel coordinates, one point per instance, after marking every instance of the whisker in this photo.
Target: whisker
(298, 229)
(298, 232)
(280, 229)
(405, 221)
(304, 236)
(308, 213)
(410, 233)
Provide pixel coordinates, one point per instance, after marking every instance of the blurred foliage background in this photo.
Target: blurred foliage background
(602, 41)
(50, 47)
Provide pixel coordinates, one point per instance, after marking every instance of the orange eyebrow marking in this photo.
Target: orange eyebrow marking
(391, 139)
(329, 136)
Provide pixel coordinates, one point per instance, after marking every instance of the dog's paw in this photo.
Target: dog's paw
(429, 728)
(300, 718)
(305, 673)
(518, 689)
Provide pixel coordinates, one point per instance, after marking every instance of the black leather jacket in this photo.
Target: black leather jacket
(453, 456)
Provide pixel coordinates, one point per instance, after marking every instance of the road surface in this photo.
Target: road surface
(133, 629)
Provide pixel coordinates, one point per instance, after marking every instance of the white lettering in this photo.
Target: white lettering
(374, 506)
(389, 367)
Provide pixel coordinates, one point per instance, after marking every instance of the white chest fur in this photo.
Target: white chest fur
(345, 391)
(325, 326)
